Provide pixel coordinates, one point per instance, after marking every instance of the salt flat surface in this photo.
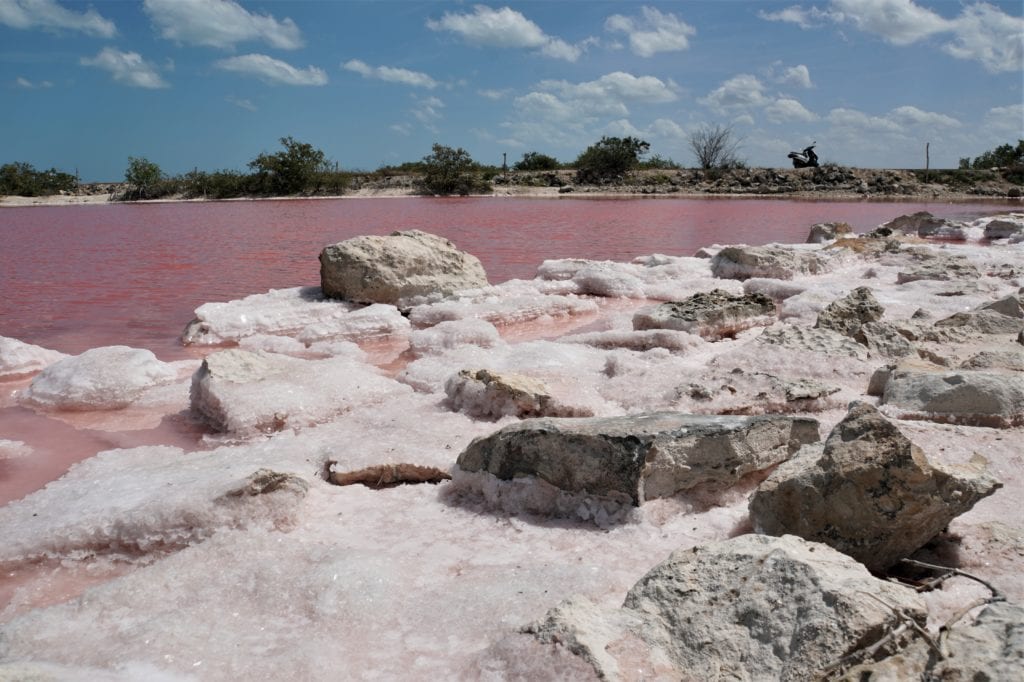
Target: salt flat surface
(237, 559)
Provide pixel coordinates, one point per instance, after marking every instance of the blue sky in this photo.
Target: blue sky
(212, 83)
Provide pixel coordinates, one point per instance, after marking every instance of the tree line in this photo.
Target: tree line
(298, 168)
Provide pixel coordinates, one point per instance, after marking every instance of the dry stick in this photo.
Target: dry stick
(905, 623)
(996, 594)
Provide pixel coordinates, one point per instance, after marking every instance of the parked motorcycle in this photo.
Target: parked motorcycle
(805, 159)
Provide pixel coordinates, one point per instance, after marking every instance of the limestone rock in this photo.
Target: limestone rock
(246, 393)
(373, 269)
(641, 456)
(1002, 228)
(1012, 360)
(826, 232)
(824, 341)
(777, 262)
(884, 339)
(986, 321)
(921, 223)
(971, 397)
(105, 378)
(1008, 305)
(713, 315)
(750, 608)
(846, 315)
(18, 358)
(991, 648)
(942, 269)
(869, 492)
(492, 395)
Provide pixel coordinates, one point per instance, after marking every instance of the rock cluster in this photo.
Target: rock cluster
(713, 315)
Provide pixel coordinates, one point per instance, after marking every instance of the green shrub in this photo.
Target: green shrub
(451, 171)
(22, 179)
(298, 168)
(609, 159)
(535, 161)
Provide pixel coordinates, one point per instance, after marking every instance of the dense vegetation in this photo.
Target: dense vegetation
(22, 179)
(452, 171)
(609, 159)
(1003, 156)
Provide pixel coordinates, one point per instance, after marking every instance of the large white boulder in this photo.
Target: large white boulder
(18, 358)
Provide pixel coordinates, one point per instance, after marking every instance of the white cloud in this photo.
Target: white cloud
(26, 84)
(272, 70)
(494, 94)
(613, 89)
(981, 32)
(739, 92)
(390, 74)
(1008, 120)
(49, 15)
(505, 27)
(785, 110)
(652, 32)
(798, 76)
(402, 129)
(220, 23)
(987, 35)
(428, 111)
(911, 116)
(127, 67)
(241, 103)
(857, 121)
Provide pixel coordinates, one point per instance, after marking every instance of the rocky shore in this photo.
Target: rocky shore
(827, 182)
(776, 462)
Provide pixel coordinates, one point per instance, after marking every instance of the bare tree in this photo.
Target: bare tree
(715, 146)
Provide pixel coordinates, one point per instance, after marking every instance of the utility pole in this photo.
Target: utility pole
(927, 161)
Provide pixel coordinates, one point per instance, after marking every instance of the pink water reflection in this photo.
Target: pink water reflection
(76, 277)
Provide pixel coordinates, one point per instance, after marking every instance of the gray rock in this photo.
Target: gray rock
(805, 389)
(991, 648)
(942, 269)
(879, 378)
(1001, 228)
(713, 315)
(777, 262)
(846, 315)
(827, 232)
(640, 456)
(492, 395)
(373, 269)
(986, 321)
(884, 339)
(1012, 360)
(750, 608)
(1008, 305)
(823, 341)
(869, 492)
(970, 397)
(915, 223)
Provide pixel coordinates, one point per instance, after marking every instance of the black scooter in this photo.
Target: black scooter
(805, 159)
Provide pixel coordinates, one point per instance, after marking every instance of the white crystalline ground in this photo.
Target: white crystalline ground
(18, 358)
(423, 581)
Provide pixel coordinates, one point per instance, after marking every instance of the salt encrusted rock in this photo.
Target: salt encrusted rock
(846, 315)
(986, 321)
(970, 397)
(805, 389)
(713, 315)
(492, 395)
(641, 456)
(943, 269)
(823, 341)
(990, 648)
(18, 358)
(371, 269)
(13, 449)
(1002, 228)
(1008, 305)
(749, 608)
(869, 492)
(1012, 360)
(777, 262)
(776, 289)
(636, 340)
(105, 378)
(915, 223)
(246, 393)
(827, 232)
(452, 334)
(884, 339)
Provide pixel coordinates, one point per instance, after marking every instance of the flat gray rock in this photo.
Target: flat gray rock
(713, 314)
(848, 314)
(640, 456)
(970, 397)
(777, 262)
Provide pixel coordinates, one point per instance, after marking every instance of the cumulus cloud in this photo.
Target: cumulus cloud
(127, 67)
(220, 23)
(1007, 120)
(911, 116)
(741, 91)
(494, 94)
(272, 70)
(241, 103)
(428, 111)
(981, 32)
(390, 74)
(505, 27)
(785, 110)
(50, 15)
(898, 121)
(798, 76)
(652, 32)
(26, 84)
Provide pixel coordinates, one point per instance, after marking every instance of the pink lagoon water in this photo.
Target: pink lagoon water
(77, 277)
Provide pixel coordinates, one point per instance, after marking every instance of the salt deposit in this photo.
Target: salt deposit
(220, 560)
